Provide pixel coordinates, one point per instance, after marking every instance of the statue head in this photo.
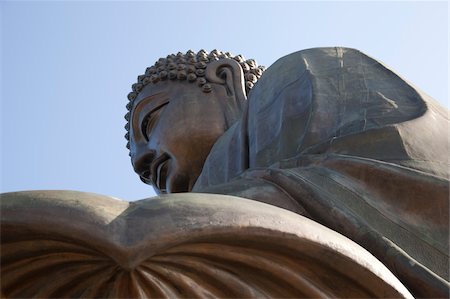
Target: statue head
(179, 108)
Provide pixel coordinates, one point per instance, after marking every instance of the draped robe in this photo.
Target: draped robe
(336, 136)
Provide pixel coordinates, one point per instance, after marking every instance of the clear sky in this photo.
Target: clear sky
(67, 67)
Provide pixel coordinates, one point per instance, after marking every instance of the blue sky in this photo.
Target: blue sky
(66, 68)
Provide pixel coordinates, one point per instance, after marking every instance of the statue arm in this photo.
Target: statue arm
(82, 245)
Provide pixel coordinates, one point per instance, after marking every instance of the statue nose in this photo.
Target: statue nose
(141, 162)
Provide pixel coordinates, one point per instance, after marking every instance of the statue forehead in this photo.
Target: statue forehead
(152, 92)
(170, 89)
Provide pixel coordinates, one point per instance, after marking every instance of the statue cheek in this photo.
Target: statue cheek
(164, 134)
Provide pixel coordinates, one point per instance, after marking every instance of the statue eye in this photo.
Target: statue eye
(150, 121)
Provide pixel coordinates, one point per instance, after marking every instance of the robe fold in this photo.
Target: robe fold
(334, 135)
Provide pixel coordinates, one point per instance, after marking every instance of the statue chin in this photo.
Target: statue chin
(174, 181)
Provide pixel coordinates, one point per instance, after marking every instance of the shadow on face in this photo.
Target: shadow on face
(178, 110)
(173, 126)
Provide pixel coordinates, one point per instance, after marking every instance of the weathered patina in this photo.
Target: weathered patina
(328, 133)
(325, 176)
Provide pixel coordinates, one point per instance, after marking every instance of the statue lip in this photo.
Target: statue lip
(158, 171)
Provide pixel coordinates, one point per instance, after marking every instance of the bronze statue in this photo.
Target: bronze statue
(325, 175)
(328, 133)
(208, 98)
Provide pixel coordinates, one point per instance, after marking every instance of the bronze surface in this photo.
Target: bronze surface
(336, 136)
(62, 244)
(325, 176)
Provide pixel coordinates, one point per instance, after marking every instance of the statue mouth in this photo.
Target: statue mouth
(158, 172)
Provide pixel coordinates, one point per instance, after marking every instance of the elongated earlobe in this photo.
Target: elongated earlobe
(229, 73)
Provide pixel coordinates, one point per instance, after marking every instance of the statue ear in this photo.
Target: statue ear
(228, 72)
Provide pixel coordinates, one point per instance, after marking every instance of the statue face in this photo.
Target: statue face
(173, 126)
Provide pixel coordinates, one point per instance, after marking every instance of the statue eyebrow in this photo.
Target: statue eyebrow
(148, 117)
(159, 98)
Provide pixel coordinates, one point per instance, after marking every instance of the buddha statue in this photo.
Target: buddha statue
(325, 175)
(328, 133)
(206, 100)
